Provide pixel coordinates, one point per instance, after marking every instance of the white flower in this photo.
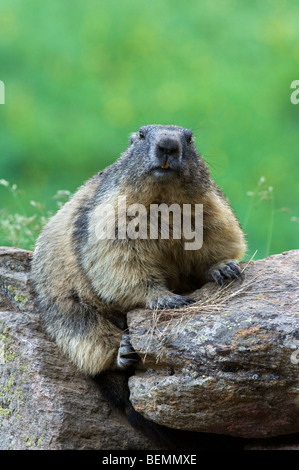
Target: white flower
(262, 180)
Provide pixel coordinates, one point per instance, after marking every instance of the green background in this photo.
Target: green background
(81, 76)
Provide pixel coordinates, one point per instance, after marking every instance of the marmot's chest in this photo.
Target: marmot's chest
(175, 264)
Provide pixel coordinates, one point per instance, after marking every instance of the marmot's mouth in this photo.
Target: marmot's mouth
(164, 172)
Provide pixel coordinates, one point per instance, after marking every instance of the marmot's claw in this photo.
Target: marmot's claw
(217, 276)
(126, 355)
(233, 265)
(225, 270)
(171, 301)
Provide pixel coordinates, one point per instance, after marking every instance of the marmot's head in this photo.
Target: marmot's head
(159, 160)
(163, 153)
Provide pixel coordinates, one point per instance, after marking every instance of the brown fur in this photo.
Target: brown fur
(85, 285)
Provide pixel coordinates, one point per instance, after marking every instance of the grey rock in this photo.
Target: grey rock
(45, 403)
(228, 364)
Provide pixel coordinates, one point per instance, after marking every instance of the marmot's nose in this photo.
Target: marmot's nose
(168, 146)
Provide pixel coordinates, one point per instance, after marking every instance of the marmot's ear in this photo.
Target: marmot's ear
(133, 137)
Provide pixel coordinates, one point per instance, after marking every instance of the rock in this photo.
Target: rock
(45, 403)
(228, 364)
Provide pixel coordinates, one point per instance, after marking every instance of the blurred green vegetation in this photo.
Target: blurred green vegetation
(81, 76)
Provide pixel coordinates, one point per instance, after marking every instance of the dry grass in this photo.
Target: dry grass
(213, 303)
(177, 320)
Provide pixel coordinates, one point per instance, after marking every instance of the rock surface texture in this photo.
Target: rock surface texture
(228, 364)
(45, 403)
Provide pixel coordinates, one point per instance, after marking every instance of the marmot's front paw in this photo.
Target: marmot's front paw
(126, 356)
(170, 301)
(225, 270)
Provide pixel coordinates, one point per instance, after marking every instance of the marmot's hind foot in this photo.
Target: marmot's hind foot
(126, 356)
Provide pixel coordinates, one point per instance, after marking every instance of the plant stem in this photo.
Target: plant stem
(270, 229)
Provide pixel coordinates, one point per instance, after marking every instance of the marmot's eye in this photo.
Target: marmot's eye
(141, 135)
(189, 136)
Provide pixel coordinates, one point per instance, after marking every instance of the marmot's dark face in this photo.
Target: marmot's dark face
(164, 153)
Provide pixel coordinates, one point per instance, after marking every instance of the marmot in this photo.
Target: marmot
(85, 284)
